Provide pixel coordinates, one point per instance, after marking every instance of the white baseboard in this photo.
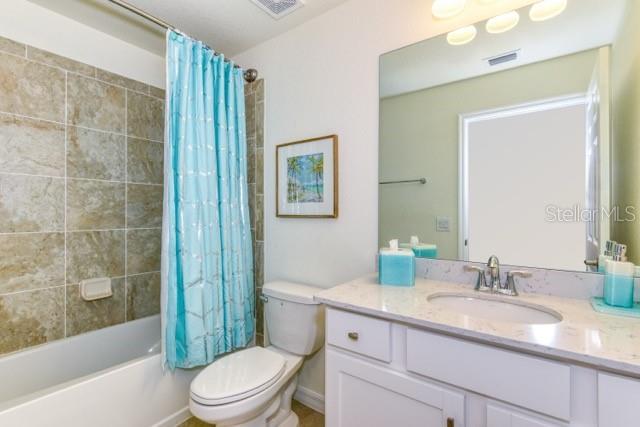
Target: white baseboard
(175, 419)
(310, 398)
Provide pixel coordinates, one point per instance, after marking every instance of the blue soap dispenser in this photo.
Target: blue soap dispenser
(618, 279)
(396, 267)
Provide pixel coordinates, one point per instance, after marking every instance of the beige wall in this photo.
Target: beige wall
(419, 138)
(322, 78)
(625, 74)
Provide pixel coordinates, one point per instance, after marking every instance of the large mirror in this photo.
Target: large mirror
(523, 143)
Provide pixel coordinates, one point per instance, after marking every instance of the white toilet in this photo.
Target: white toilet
(254, 387)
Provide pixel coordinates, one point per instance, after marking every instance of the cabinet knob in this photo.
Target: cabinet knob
(450, 422)
(353, 336)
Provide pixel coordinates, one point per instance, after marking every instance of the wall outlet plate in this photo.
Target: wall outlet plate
(443, 224)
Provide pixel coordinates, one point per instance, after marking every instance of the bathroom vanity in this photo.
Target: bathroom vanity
(398, 357)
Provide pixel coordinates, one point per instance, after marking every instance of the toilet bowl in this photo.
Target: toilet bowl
(254, 387)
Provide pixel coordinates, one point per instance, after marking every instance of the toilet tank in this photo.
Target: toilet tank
(295, 322)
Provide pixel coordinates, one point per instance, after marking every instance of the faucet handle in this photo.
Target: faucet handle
(481, 282)
(511, 282)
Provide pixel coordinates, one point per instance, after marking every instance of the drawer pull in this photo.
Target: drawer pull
(353, 336)
(450, 422)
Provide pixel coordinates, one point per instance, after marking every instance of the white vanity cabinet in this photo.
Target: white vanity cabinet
(386, 373)
(498, 416)
(361, 393)
(618, 401)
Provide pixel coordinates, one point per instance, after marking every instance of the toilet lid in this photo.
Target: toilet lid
(237, 376)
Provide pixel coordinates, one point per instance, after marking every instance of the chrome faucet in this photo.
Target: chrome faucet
(494, 273)
(494, 285)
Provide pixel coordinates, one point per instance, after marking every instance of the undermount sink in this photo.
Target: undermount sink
(496, 308)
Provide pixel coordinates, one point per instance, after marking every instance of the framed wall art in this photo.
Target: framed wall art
(307, 178)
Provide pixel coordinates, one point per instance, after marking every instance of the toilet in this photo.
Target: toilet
(254, 387)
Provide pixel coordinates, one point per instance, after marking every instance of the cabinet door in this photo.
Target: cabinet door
(360, 393)
(618, 400)
(502, 417)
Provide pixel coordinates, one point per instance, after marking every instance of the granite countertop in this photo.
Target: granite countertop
(584, 336)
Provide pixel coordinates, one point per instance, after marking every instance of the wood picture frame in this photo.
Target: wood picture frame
(307, 178)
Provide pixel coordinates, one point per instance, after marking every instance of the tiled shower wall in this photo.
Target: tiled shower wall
(80, 196)
(254, 104)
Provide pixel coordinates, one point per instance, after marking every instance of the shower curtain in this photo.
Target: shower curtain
(207, 261)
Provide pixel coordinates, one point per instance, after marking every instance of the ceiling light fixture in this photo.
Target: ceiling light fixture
(488, 1)
(462, 35)
(444, 9)
(503, 23)
(547, 9)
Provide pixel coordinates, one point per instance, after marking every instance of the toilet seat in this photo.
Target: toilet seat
(237, 376)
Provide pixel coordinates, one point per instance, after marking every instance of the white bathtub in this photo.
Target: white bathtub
(111, 377)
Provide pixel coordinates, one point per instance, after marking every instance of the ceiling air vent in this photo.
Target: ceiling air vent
(503, 57)
(278, 8)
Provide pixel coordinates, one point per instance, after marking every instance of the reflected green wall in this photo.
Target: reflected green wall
(419, 138)
(625, 74)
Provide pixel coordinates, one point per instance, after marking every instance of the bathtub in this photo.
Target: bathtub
(111, 377)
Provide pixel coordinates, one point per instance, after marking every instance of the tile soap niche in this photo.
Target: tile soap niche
(95, 289)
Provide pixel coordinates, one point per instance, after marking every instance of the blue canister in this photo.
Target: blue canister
(618, 283)
(396, 267)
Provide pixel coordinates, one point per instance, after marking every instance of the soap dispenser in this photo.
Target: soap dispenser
(396, 266)
(606, 255)
(618, 279)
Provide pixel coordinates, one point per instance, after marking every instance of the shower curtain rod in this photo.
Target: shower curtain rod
(250, 75)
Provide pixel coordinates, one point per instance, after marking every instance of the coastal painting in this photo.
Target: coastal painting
(305, 178)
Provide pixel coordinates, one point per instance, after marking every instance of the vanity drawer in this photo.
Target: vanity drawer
(537, 384)
(360, 334)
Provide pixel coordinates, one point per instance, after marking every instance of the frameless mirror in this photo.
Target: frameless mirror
(524, 144)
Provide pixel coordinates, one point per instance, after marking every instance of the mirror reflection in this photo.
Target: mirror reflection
(515, 137)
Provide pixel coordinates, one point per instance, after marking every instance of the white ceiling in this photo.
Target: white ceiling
(228, 26)
(584, 25)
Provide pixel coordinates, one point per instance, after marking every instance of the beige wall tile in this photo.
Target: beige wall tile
(144, 161)
(54, 60)
(94, 254)
(12, 47)
(259, 217)
(250, 114)
(145, 117)
(119, 80)
(156, 92)
(31, 318)
(31, 261)
(260, 124)
(95, 154)
(31, 89)
(84, 316)
(259, 171)
(94, 104)
(95, 205)
(143, 295)
(31, 203)
(144, 208)
(31, 146)
(143, 250)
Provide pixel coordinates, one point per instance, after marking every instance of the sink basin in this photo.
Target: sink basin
(496, 308)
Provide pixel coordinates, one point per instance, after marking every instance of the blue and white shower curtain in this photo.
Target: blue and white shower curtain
(207, 260)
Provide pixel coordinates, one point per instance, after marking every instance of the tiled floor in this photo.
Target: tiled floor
(308, 418)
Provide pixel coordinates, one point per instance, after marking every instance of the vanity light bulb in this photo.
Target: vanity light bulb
(443, 9)
(547, 9)
(503, 23)
(462, 36)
